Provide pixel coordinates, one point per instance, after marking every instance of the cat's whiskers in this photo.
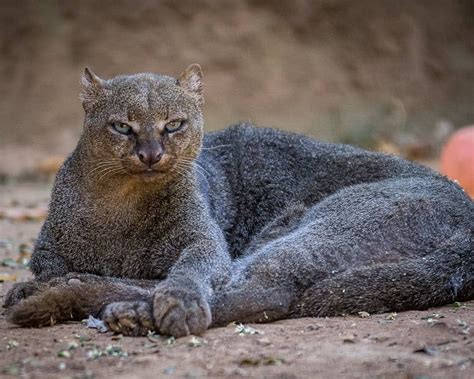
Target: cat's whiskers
(105, 173)
(200, 170)
(181, 172)
(193, 162)
(99, 170)
(107, 163)
(108, 160)
(184, 164)
(185, 168)
(187, 165)
(110, 172)
(214, 147)
(104, 168)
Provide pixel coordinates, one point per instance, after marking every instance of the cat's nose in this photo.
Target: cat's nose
(150, 156)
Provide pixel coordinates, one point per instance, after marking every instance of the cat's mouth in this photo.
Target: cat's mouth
(150, 170)
(151, 174)
(155, 172)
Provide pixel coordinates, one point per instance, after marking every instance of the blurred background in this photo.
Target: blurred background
(396, 76)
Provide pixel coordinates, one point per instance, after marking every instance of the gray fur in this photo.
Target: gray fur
(253, 224)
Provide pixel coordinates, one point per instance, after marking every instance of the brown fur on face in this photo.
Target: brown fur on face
(146, 103)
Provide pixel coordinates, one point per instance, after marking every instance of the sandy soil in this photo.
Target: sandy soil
(436, 343)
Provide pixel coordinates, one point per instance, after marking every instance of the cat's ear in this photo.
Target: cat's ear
(92, 89)
(191, 81)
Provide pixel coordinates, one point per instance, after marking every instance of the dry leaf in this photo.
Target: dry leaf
(50, 166)
(24, 214)
(4, 277)
(388, 147)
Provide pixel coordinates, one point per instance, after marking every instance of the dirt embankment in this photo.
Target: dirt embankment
(353, 71)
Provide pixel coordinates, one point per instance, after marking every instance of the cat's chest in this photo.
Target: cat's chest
(117, 244)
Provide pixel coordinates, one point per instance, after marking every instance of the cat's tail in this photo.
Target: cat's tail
(71, 301)
(416, 284)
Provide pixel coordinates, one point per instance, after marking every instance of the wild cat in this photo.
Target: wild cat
(154, 225)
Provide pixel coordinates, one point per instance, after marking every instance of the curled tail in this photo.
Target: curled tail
(69, 302)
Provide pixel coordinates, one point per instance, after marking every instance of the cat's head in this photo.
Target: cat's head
(143, 126)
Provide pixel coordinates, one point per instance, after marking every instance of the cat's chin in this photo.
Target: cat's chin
(150, 175)
(153, 175)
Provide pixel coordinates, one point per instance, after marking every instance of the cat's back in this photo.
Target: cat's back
(258, 173)
(280, 159)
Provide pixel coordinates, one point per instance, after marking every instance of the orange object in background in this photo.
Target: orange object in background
(457, 158)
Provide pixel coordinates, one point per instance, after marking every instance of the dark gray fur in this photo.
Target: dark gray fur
(266, 225)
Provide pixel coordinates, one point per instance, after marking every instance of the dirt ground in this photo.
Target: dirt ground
(435, 343)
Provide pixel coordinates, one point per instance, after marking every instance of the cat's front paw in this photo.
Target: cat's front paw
(21, 291)
(130, 318)
(179, 312)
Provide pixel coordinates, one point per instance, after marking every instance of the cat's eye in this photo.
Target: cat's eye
(122, 127)
(174, 126)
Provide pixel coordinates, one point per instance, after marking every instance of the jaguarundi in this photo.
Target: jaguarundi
(155, 225)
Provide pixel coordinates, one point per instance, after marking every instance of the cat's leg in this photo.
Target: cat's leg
(129, 317)
(23, 290)
(370, 229)
(392, 287)
(123, 304)
(125, 307)
(440, 278)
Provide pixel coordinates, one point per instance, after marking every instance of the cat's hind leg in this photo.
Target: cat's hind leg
(417, 283)
(398, 244)
(420, 283)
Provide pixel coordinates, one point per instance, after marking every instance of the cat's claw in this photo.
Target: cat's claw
(130, 318)
(179, 312)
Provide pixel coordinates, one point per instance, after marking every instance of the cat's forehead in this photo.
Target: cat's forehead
(143, 96)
